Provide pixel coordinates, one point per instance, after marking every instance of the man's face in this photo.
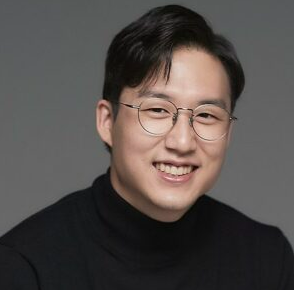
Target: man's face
(195, 77)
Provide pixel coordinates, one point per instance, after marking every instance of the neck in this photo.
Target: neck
(123, 226)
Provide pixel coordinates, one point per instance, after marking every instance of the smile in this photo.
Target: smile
(174, 170)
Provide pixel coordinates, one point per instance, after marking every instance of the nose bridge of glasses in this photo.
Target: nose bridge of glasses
(175, 116)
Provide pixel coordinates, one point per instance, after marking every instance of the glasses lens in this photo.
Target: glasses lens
(210, 122)
(156, 115)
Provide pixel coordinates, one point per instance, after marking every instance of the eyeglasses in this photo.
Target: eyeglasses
(157, 116)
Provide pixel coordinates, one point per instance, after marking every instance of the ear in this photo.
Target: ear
(104, 121)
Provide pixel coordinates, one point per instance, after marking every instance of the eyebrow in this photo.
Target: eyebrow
(220, 103)
(152, 94)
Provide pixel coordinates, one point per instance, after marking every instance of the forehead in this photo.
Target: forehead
(195, 77)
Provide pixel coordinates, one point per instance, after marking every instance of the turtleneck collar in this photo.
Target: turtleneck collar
(127, 232)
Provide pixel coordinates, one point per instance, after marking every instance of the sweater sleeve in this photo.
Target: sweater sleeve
(15, 272)
(276, 261)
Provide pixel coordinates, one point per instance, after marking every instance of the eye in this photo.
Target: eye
(205, 118)
(159, 110)
(155, 113)
(205, 115)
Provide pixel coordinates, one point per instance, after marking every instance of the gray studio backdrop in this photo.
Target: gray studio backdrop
(51, 61)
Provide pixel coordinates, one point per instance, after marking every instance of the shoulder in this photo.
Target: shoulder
(46, 225)
(233, 220)
(244, 241)
(46, 242)
(15, 271)
(235, 225)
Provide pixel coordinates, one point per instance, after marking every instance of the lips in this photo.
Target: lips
(173, 169)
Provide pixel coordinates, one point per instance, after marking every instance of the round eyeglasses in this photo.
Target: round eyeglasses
(157, 116)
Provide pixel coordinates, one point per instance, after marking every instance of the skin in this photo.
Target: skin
(195, 77)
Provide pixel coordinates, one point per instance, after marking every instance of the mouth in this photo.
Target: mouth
(173, 169)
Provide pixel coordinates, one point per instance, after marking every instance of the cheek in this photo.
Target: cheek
(213, 153)
(132, 142)
(212, 156)
(123, 131)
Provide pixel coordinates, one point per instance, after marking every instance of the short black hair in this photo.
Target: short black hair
(144, 49)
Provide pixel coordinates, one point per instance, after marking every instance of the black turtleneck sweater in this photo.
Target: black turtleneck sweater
(93, 239)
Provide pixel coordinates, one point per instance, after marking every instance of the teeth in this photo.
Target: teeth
(180, 171)
(174, 170)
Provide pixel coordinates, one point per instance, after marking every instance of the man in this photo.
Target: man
(171, 86)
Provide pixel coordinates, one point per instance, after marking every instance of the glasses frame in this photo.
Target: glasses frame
(175, 117)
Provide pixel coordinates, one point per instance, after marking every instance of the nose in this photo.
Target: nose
(181, 137)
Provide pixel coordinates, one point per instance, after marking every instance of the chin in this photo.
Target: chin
(175, 203)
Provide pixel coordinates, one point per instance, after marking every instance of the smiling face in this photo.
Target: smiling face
(163, 176)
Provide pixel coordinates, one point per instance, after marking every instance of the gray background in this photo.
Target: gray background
(52, 57)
